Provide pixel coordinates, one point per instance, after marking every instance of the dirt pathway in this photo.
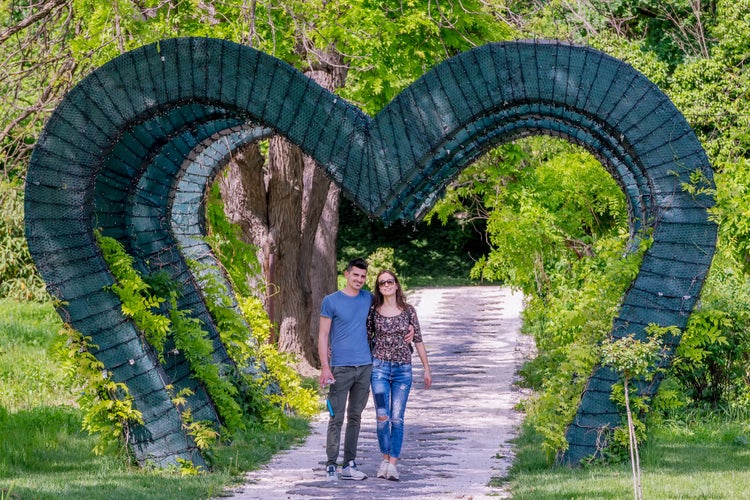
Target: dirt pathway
(457, 432)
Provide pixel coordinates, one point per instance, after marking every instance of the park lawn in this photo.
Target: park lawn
(45, 454)
(708, 458)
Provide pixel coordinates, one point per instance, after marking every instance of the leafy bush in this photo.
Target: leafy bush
(711, 361)
(423, 254)
(568, 325)
(107, 406)
(557, 224)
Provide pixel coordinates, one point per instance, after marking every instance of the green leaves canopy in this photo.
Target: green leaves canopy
(385, 45)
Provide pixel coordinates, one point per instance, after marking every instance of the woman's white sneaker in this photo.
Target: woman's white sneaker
(391, 473)
(383, 469)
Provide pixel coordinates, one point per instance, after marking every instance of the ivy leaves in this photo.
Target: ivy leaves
(260, 388)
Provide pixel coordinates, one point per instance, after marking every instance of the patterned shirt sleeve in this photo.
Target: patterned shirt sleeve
(415, 321)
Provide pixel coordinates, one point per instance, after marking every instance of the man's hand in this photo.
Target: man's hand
(409, 336)
(326, 377)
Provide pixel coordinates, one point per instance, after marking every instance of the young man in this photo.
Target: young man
(343, 317)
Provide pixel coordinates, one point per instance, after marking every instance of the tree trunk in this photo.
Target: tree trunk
(289, 210)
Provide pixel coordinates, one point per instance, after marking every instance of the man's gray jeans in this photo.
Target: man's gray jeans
(352, 384)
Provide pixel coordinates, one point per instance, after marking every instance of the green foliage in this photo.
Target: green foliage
(137, 297)
(292, 395)
(710, 364)
(712, 91)
(711, 95)
(232, 327)
(384, 46)
(732, 211)
(393, 44)
(111, 28)
(568, 326)
(544, 202)
(272, 386)
(188, 336)
(672, 30)
(424, 254)
(381, 258)
(633, 358)
(192, 341)
(18, 276)
(557, 224)
(107, 405)
(238, 258)
(141, 303)
(202, 432)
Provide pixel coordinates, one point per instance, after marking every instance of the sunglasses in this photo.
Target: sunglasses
(387, 282)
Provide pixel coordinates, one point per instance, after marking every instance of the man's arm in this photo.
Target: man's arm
(324, 333)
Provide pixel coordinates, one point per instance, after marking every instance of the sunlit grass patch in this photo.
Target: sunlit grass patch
(706, 456)
(29, 377)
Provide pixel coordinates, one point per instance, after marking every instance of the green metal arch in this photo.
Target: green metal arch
(132, 147)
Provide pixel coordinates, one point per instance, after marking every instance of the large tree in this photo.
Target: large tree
(285, 204)
(365, 51)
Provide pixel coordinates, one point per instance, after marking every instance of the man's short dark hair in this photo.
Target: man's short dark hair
(358, 262)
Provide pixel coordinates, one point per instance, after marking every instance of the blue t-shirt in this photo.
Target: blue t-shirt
(348, 336)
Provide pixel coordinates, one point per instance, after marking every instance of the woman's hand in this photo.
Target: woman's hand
(425, 364)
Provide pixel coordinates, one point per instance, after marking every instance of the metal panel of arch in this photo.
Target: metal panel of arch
(123, 150)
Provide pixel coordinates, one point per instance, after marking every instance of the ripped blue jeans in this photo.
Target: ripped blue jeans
(391, 383)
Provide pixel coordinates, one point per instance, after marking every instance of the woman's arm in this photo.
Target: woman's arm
(422, 352)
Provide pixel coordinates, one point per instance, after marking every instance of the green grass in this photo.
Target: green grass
(44, 454)
(708, 458)
(27, 333)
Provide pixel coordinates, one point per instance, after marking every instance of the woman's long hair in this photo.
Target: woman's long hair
(377, 297)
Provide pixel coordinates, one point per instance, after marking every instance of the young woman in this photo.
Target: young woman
(387, 324)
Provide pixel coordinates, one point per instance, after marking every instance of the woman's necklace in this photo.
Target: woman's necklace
(389, 310)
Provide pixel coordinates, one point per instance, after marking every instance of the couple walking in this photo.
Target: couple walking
(368, 337)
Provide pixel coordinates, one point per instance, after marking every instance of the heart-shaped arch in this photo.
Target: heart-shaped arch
(133, 146)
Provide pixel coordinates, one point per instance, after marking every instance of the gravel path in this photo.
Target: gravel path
(457, 432)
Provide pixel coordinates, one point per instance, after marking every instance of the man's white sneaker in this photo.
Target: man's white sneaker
(331, 473)
(383, 469)
(350, 471)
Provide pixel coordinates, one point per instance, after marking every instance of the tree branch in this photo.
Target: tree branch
(26, 22)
